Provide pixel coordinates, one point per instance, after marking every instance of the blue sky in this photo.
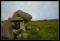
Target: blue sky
(39, 10)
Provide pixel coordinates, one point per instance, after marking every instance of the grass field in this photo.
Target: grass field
(48, 30)
(42, 30)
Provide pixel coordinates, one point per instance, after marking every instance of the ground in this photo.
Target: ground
(48, 30)
(42, 30)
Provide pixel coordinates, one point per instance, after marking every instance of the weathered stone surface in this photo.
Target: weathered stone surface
(22, 26)
(25, 16)
(6, 28)
(16, 19)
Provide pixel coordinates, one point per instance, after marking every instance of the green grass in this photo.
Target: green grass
(48, 30)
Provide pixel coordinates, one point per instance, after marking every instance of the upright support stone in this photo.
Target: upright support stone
(22, 26)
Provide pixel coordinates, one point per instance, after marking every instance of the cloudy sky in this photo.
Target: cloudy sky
(39, 10)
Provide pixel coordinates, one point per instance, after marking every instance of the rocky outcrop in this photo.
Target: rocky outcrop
(19, 18)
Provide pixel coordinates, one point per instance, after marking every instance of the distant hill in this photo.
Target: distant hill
(47, 20)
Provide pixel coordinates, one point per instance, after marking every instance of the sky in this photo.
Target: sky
(39, 10)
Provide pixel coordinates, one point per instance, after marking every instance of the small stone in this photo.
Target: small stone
(37, 29)
(25, 35)
(14, 31)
